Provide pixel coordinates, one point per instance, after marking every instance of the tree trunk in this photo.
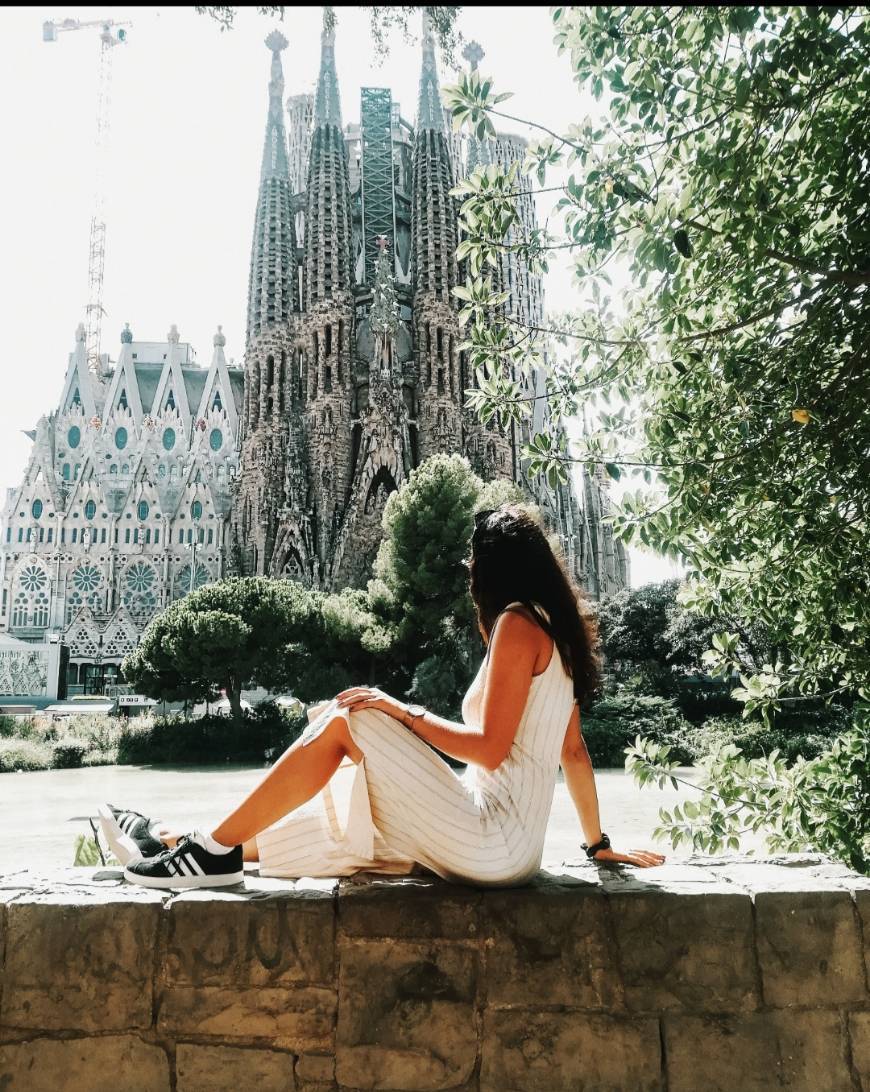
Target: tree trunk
(234, 695)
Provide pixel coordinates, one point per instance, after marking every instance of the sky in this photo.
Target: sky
(187, 120)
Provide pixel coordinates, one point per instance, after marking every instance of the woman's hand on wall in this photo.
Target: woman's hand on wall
(641, 858)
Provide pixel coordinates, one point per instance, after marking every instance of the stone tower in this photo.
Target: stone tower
(353, 369)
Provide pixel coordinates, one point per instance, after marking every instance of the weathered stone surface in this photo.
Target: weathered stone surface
(406, 1016)
(296, 1019)
(85, 965)
(415, 908)
(809, 948)
(859, 1034)
(550, 945)
(566, 1051)
(249, 939)
(114, 1063)
(862, 901)
(801, 1051)
(691, 950)
(784, 872)
(315, 1068)
(232, 1069)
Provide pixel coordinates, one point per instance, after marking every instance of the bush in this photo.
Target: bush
(614, 722)
(101, 733)
(69, 753)
(261, 737)
(23, 754)
(756, 740)
(101, 758)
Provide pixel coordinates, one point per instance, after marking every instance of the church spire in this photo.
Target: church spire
(272, 281)
(328, 264)
(433, 212)
(430, 112)
(327, 105)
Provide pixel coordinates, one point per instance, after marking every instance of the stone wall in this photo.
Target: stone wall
(709, 974)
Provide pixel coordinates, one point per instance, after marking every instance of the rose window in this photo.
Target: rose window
(139, 593)
(182, 579)
(87, 578)
(32, 578)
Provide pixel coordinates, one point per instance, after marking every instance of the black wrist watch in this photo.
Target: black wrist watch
(592, 850)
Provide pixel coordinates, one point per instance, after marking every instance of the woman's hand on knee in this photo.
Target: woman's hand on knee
(356, 698)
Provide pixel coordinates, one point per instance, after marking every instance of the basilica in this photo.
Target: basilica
(157, 473)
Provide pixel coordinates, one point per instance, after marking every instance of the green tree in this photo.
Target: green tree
(422, 616)
(241, 632)
(727, 176)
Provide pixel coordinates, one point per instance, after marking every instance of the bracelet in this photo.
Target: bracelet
(592, 850)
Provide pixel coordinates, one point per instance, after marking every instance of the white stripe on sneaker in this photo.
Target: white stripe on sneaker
(196, 866)
(184, 865)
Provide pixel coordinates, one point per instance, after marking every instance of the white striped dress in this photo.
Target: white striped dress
(407, 806)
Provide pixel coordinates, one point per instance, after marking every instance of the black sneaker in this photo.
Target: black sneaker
(128, 834)
(188, 865)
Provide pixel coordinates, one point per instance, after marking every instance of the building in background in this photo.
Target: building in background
(354, 373)
(156, 474)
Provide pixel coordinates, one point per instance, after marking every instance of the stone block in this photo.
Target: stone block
(315, 1069)
(417, 908)
(83, 964)
(862, 901)
(228, 1069)
(300, 1019)
(859, 1034)
(782, 872)
(112, 1063)
(809, 948)
(248, 939)
(566, 1051)
(550, 944)
(754, 1052)
(406, 1015)
(691, 949)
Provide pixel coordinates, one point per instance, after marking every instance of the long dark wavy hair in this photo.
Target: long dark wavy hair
(512, 560)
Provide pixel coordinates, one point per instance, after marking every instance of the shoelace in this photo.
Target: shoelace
(181, 844)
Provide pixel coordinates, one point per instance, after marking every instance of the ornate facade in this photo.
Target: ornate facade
(125, 499)
(155, 474)
(353, 369)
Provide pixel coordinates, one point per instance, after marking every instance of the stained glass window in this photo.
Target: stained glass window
(196, 509)
(169, 438)
(74, 436)
(120, 438)
(216, 439)
(90, 509)
(139, 592)
(36, 509)
(182, 579)
(142, 510)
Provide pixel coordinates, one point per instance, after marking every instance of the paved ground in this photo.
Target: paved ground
(35, 808)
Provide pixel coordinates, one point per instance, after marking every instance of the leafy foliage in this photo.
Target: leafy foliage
(728, 177)
(820, 804)
(384, 19)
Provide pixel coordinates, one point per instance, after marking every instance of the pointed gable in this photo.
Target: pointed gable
(78, 389)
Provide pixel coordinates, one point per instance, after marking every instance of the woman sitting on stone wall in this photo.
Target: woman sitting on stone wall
(408, 807)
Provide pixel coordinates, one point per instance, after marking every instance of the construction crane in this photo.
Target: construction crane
(112, 33)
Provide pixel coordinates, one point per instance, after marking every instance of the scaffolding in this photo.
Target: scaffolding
(378, 198)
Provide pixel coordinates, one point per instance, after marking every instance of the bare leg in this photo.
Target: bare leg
(298, 775)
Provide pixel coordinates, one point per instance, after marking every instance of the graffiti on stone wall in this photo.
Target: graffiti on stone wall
(23, 673)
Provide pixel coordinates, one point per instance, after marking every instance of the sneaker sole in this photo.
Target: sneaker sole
(184, 883)
(121, 844)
